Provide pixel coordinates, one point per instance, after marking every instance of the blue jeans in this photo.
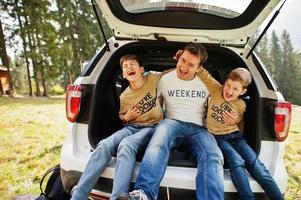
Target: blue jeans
(240, 156)
(126, 142)
(170, 134)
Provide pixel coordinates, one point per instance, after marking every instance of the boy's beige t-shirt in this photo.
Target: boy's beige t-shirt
(145, 98)
(217, 105)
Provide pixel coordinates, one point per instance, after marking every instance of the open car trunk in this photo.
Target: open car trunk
(158, 56)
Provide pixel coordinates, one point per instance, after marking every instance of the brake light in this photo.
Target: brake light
(73, 99)
(282, 119)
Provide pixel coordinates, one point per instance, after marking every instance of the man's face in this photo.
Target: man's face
(232, 90)
(187, 66)
(131, 70)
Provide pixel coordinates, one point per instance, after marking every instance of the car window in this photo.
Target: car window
(228, 9)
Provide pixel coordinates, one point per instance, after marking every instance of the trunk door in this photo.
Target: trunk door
(207, 21)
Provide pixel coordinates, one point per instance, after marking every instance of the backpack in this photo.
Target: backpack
(54, 188)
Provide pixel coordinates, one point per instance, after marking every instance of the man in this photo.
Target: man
(184, 96)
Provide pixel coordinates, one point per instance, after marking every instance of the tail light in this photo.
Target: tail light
(73, 99)
(282, 119)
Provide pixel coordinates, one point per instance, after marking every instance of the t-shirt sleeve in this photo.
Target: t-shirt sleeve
(123, 106)
(241, 109)
(211, 84)
(159, 88)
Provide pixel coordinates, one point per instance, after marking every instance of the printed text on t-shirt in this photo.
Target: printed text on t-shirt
(217, 113)
(187, 93)
(146, 103)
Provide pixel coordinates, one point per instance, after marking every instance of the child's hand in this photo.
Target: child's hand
(231, 118)
(178, 55)
(131, 114)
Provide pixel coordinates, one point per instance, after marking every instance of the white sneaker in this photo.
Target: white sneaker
(138, 195)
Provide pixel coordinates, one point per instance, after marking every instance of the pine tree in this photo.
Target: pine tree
(275, 59)
(262, 49)
(290, 77)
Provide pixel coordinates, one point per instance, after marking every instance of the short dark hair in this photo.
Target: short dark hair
(197, 49)
(129, 57)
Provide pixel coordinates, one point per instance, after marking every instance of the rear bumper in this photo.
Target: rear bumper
(71, 178)
(177, 181)
(77, 150)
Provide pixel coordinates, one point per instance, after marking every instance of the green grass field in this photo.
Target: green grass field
(32, 131)
(293, 156)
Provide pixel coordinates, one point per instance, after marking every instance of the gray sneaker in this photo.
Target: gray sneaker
(123, 196)
(134, 195)
(138, 195)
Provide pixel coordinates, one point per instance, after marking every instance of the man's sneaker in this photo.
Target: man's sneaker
(134, 195)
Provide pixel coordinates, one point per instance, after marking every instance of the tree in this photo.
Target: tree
(79, 35)
(290, 77)
(5, 59)
(276, 62)
(262, 49)
(56, 36)
(283, 62)
(17, 13)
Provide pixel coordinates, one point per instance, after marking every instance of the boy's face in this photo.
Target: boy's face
(187, 66)
(232, 90)
(131, 70)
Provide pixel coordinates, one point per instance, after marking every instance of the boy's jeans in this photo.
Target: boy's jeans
(239, 155)
(170, 134)
(126, 142)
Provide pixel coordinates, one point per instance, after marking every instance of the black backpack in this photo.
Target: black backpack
(54, 188)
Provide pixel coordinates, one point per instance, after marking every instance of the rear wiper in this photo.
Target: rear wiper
(99, 22)
(265, 29)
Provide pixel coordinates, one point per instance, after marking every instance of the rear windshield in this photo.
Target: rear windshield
(227, 9)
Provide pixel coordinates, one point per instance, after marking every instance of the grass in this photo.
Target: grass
(292, 156)
(32, 131)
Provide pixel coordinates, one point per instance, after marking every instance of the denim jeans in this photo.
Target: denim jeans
(126, 143)
(240, 156)
(170, 134)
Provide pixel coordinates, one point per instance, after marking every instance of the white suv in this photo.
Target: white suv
(154, 30)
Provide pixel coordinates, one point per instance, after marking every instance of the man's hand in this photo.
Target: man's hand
(231, 118)
(131, 114)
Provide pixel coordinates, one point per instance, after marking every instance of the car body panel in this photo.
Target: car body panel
(151, 26)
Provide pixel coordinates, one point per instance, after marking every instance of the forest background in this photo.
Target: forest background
(52, 40)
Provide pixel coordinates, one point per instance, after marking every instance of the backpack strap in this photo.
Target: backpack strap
(55, 172)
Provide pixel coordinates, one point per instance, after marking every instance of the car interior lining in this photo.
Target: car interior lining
(104, 119)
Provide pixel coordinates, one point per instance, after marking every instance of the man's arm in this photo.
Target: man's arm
(235, 117)
(231, 118)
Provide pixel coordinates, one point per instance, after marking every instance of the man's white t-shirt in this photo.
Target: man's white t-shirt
(183, 100)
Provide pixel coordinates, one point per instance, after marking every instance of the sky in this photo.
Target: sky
(289, 19)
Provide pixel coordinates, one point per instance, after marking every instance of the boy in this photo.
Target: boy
(140, 111)
(237, 153)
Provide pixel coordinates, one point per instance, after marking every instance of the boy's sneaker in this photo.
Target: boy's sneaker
(134, 195)
(138, 195)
